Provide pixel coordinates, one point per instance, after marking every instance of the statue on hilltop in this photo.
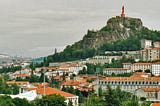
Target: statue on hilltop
(122, 14)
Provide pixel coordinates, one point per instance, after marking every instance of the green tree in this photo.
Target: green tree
(100, 93)
(6, 101)
(21, 102)
(15, 88)
(70, 103)
(111, 98)
(146, 103)
(50, 100)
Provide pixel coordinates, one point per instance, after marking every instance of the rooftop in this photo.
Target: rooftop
(50, 91)
(155, 104)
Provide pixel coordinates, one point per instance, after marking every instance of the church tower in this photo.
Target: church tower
(122, 14)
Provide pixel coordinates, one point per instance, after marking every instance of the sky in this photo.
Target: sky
(34, 28)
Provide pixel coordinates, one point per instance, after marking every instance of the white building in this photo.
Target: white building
(140, 66)
(102, 59)
(48, 91)
(116, 71)
(155, 69)
(146, 43)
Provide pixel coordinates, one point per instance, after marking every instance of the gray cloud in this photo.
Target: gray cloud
(36, 27)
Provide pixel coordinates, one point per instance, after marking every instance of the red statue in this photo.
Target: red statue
(122, 14)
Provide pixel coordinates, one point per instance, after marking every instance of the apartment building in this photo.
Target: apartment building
(129, 84)
(150, 54)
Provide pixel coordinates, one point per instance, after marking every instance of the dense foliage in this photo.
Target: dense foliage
(71, 53)
(10, 69)
(51, 100)
(7, 89)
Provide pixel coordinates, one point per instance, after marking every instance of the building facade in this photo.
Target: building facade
(151, 94)
(146, 43)
(129, 84)
(110, 71)
(153, 67)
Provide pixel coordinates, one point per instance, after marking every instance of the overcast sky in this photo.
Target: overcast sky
(36, 27)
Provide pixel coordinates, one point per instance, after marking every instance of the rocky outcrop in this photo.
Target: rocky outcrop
(117, 28)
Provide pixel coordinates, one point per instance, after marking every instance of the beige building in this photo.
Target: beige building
(153, 67)
(129, 84)
(151, 94)
(140, 66)
(102, 59)
(150, 54)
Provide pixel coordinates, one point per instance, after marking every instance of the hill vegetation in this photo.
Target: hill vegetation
(120, 34)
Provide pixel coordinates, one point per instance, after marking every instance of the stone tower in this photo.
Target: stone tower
(122, 14)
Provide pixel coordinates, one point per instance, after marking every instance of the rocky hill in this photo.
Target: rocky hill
(117, 28)
(119, 34)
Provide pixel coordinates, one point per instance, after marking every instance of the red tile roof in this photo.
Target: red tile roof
(50, 91)
(155, 104)
(151, 89)
(17, 82)
(131, 79)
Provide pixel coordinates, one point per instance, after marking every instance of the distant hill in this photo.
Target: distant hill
(4, 56)
(118, 34)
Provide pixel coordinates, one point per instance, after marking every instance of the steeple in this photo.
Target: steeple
(122, 14)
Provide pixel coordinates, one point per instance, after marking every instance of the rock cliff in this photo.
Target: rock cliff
(117, 28)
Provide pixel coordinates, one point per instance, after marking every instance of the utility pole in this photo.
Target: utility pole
(97, 81)
(44, 84)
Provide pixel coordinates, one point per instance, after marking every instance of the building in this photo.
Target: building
(127, 65)
(82, 85)
(146, 43)
(140, 66)
(155, 69)
(141, 74)
(151, 94)
(156, 44)
(110, 71)
(129, 84)
(21, 84)
(102, 59)
(30, 95)
(150, 54)
(48, 91)
(67, 68)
